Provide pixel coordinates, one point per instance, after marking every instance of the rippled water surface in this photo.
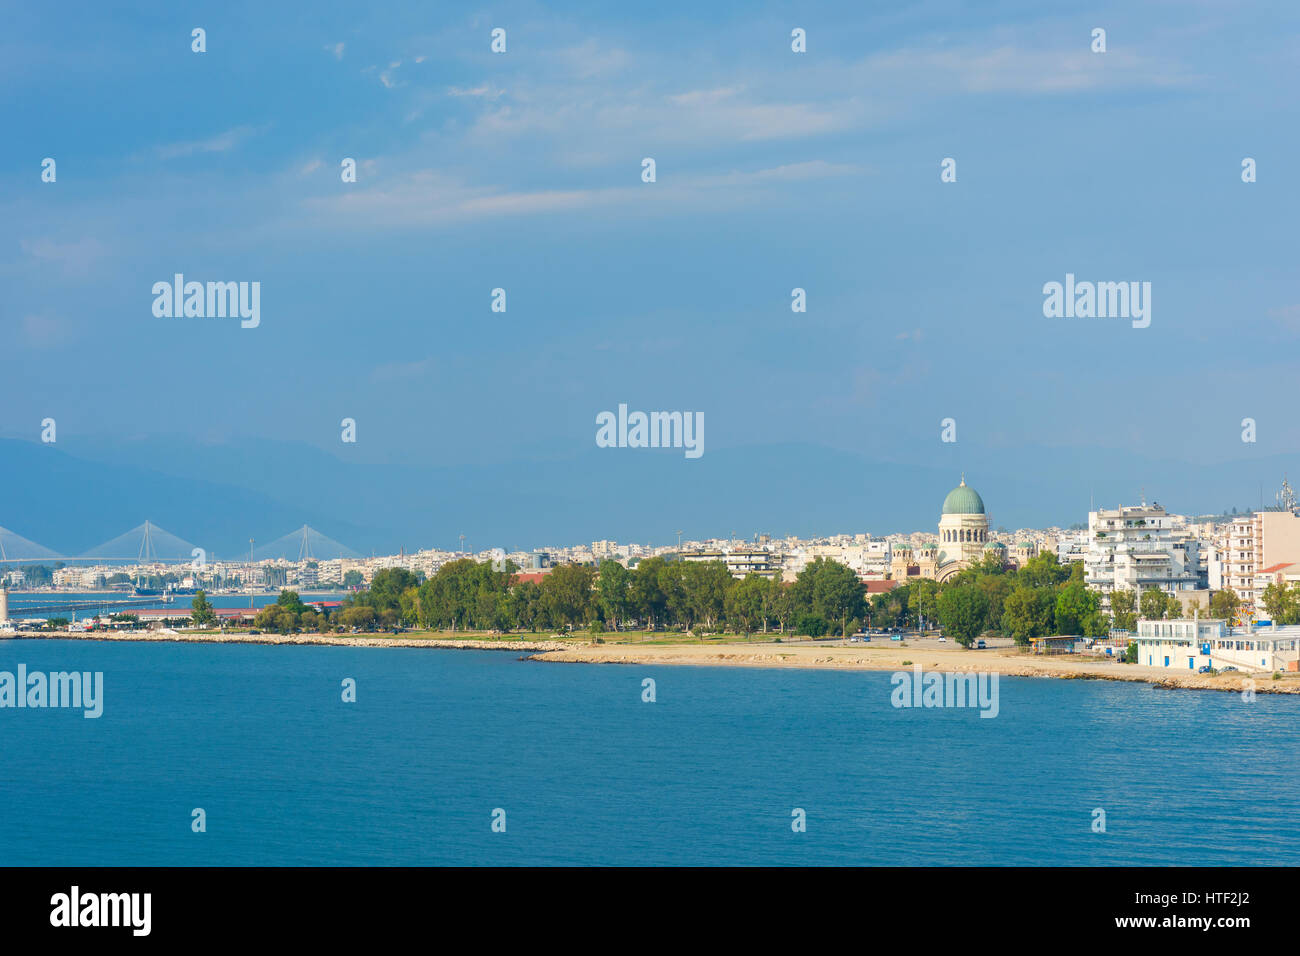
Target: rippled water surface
(287, 773)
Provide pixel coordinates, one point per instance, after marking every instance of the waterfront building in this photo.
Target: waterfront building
(1193, 643)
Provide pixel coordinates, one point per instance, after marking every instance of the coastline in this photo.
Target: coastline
(330, 640)
(763, 654)
(951, 660)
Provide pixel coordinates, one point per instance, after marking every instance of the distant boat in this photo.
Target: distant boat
(147, 592)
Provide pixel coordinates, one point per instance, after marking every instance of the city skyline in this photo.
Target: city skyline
(170, 548)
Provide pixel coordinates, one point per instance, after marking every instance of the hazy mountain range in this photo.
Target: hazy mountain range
(75, 494)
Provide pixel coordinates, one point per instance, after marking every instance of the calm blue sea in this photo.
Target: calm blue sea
(289, 774)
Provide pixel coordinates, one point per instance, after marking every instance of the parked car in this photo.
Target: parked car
(942, 639)
(981, 645)
(1204, 669)
(1230, 668)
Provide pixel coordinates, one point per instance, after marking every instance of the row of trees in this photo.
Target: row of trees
(699, 597)
(1042, 598)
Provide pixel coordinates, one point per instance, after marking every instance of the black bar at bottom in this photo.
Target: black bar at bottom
(1223, 905)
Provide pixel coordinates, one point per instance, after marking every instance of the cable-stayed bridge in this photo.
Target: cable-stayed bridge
(148, 543)
(14, 547)
(305, 544)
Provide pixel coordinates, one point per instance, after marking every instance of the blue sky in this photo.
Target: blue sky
(775, 170)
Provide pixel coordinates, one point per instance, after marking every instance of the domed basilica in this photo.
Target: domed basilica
(963, 529)
(963, 541)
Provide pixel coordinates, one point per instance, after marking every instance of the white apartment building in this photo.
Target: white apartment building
(601, 550)
(77, 577)
(869, 559)
(740, 561)
(1070, 546)
(1190, 644)
(1236, 558)
(1141, 547)
(1256, 545)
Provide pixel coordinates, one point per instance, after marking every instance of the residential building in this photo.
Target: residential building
(1140, 547)
(740, 561)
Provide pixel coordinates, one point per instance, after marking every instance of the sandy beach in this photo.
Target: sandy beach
(804, 655)
(891, 658)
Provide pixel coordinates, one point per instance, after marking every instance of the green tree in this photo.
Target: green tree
(448, 599)
(1153, 605)
(746, 603)
(203, 612)
(962, 611)
(290, 601)
(706, 584)
(780, 603)
(359, 616)
(1121, 605)
(1026, 614)
(568, 594)
(1077, 609)
(923, 600)
(838, 595)
(278, 618)
(812, 625)
(1043, 571)
(889, 608)
(1173, 607)
(614, 586)
(526, 605)
(997, 587)
(1224, 604)
(647, 597)
(1282, 602)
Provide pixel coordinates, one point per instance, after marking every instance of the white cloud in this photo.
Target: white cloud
(1008, 68)
(396, 371)
(74, 258)
(428, 197)
(221, 143)
(483, 91)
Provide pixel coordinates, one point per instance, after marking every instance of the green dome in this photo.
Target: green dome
(995, 545)
(963, 500)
